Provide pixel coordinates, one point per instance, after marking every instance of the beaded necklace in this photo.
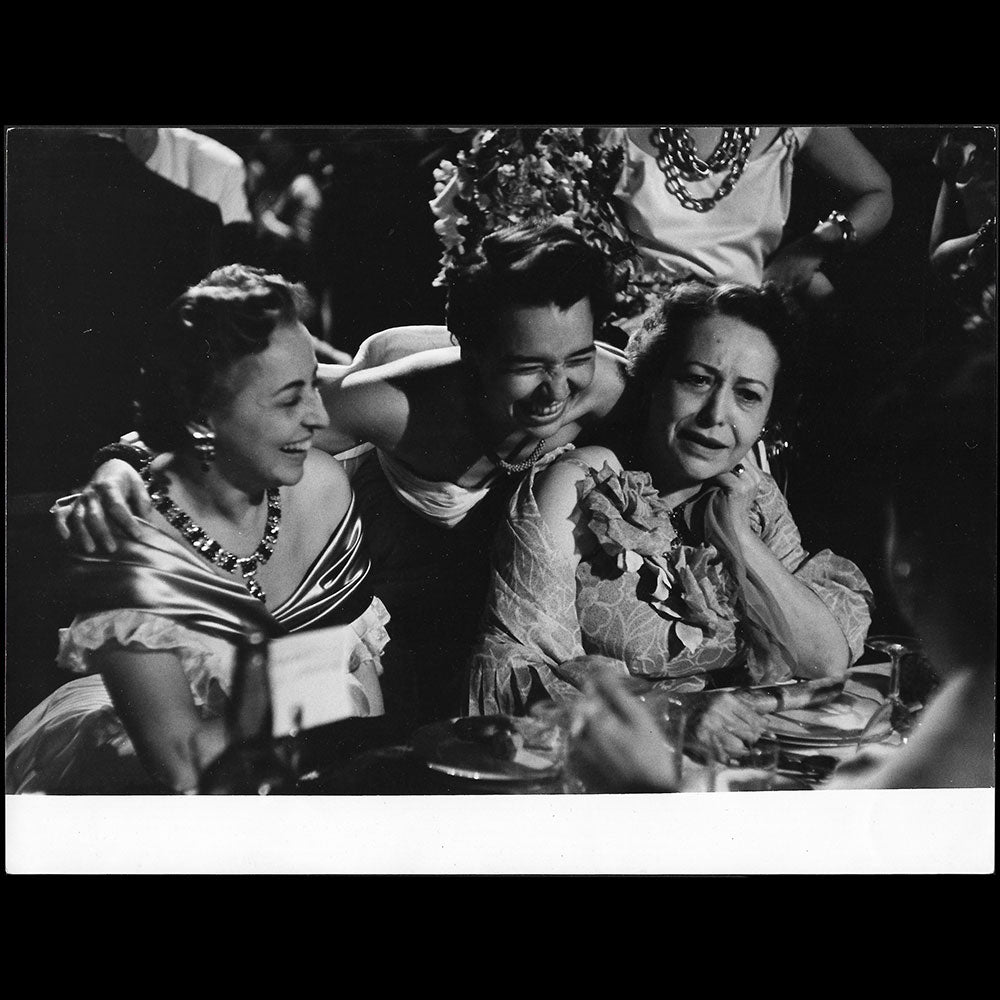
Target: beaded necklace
(676, 158)
(198, 539)
(511, 468)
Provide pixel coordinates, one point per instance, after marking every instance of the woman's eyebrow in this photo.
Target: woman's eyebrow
(740, 378)
(296, 384)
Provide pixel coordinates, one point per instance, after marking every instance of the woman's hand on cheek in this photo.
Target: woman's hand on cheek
(740, 485)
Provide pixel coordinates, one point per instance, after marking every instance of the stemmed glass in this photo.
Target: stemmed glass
(894, 710)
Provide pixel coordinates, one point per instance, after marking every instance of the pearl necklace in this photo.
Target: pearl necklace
(514, 467)
(198, 539)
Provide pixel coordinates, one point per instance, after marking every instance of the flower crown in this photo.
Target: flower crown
(509, 176)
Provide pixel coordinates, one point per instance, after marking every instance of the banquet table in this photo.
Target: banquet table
(373, 757)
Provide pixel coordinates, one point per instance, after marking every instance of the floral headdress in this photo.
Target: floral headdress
(513, 175)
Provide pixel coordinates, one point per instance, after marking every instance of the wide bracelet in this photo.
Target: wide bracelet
(135, 455)
(850, 234)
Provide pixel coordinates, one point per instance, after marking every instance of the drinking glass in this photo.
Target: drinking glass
(669, 713)
(894, 709)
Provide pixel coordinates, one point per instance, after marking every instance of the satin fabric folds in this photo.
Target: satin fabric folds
(158, 594)
(166, 577)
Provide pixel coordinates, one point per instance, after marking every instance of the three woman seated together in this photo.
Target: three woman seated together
(535, 511)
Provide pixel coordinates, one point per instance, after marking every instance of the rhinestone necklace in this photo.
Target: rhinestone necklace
(196, 536)
(676, 158)
(676, 516)
(514, 467)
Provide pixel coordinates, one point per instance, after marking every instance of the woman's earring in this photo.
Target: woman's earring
(204, 444)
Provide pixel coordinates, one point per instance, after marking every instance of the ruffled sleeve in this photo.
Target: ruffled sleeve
(370, 629)
(837, 581)
(207, 661)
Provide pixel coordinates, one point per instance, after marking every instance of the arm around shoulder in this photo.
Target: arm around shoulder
(364, 405)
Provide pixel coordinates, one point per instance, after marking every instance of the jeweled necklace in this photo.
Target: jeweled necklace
(196, 536)
(511, 468)
(676, 516)
(676, 158)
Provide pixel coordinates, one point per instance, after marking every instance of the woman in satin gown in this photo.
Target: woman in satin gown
(249, 529)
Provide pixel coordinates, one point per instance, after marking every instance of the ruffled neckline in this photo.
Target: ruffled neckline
(635, 528)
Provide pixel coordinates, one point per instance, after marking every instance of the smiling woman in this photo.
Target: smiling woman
(689, 570)
(247, 529)
(452, 429)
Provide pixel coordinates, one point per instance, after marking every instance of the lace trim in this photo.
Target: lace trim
(207, 662)
(372, 636)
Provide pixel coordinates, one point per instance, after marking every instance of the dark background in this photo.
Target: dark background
(384, 255)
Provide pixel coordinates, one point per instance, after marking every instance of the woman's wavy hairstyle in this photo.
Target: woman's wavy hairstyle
(653, 350)
(228, 315)
(530, 264)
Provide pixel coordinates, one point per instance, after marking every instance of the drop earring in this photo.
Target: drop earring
(204, 445)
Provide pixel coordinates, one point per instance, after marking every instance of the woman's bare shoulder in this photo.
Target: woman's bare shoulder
(555, 487)
(608, 383)
(324, 492)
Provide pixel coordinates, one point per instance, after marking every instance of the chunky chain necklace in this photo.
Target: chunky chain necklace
(676, 158)
(511, 468)
(211, 549)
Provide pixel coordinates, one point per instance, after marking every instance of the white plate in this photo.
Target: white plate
(838, 723)
(450, 747)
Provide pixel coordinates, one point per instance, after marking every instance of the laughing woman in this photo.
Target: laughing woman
(454, 430)
(679, 563)
(247, 528)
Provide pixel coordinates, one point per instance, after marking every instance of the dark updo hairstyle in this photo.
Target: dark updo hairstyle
(530, 264)
(228, 315)
(654, 349)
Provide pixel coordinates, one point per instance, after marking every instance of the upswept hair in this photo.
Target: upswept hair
(653, 350)
(530, 264)
(228, 315)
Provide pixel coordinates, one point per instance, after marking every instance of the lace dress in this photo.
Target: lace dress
(660, 600)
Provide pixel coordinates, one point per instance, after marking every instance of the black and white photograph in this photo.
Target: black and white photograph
(467, 499)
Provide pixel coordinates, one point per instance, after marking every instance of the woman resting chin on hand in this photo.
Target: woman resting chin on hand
(684, 564)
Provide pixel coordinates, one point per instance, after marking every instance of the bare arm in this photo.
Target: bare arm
(153, 700)
(364, 402)
(840, 158)
(368, 408)
(950, 240)
(816, 642)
